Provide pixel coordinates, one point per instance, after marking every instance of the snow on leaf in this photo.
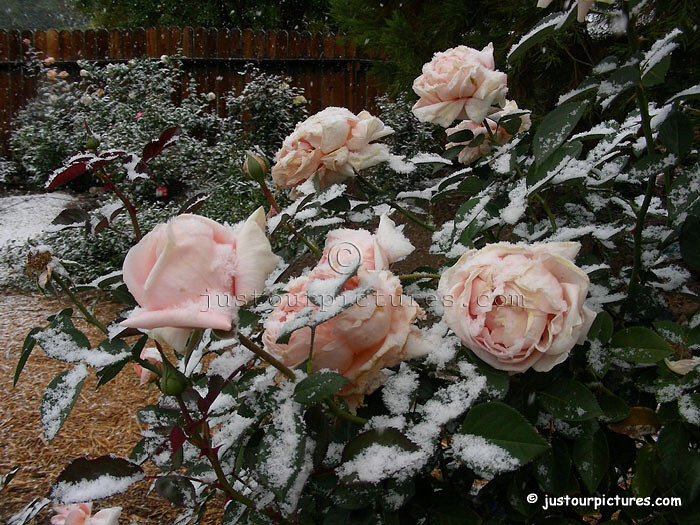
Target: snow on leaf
(91, 479)
(59, 399)
(482, 456)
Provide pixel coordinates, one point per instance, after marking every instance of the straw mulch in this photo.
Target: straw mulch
(101, 422)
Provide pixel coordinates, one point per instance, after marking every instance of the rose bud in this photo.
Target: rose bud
(152, 355)
(255, 167)
(172, 382)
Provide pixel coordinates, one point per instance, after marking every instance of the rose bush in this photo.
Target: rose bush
(518, 307)
(542, 338)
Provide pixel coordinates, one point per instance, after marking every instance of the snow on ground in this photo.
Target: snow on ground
(23, 217)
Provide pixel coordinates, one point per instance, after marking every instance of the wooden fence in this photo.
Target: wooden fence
(328, 67)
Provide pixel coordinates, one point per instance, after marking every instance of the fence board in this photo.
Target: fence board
(327, 67)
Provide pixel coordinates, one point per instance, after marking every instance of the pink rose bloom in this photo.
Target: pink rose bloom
(459, 83)
(79, 514)
(51, 74)
(345, 247)
(374, 334)
(518, 306)
(470, 154)
(334, 143)
(194, 272)
(151, 355)
(582, 6)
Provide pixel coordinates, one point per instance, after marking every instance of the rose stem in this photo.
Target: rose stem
(106, 179)
(309, 362)
(273, 202)
(398, 207)
(342, 413)
(87, 315)
(411, 276)
(262, 354)
(641, 215)
(250, 345)
(547, 211)
(213, 459)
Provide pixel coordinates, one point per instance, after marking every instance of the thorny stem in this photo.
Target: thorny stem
(262, 354)
(250, 345)
(309, 362)
(642, 213)
(77, 302)
(213, 459)
(273, 202)
(343, 413)
(547, 211)
(410, 216)
(412, 276)
(104, 177)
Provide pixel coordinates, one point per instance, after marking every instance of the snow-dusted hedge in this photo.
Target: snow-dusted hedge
(552, 352)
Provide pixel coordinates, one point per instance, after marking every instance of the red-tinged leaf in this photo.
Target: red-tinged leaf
(136, 168)
(177, 438)
(216, 384)
(166, 139)
(65, 174)
(193, 203)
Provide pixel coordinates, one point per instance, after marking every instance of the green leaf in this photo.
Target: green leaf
(591, 458)
(639, 345)
(678, 471)
(497, 381)
(454, 513)
(690, 241)
(545, 28)
(102, 477)
(378, 436)
(138, 454)
(622, 79)
(59, 398)
(689, 408)
(27, 347)
(6, 478)
(643, 481)
(553, 468)
(614, 408)
(504, 426)
(177, 490)
(464, 135)
(602, 328)
(314, 388)
(656, 74)
(555, 127)
(453, 152)
(569, 400)
(109, 372)
(676, 133)
(471, 185)
(548, 168)
(511, 123)
(30, 511)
